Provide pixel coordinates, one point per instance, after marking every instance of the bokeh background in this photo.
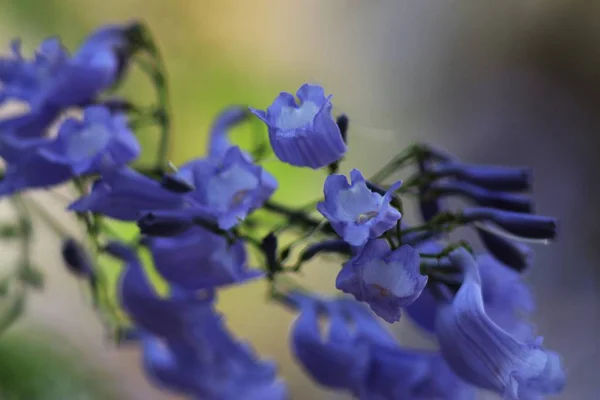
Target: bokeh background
(512, 82)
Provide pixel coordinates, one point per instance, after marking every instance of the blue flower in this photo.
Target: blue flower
(356, 213)
(53, 78)
(200, 259)
(123, 193)
(387, 280)
(224, 191)
(507, 299)
(228, 188)
(482, 353)
(360, 356)
(305, 134)
(186, 347)
(100, 141)
(16, 132)
(215, 368)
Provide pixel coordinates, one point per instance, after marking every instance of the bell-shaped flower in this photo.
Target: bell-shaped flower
(200, 259)
(485, 355)
(99, 142)
(124, 193)
(355, 212)
(385, 279)
(305, 134)
(357, 354)
(52, 78)
(229, 188)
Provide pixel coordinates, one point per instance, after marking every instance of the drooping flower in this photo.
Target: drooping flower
(304, 134)
(482, 353)
(228, 188)
(200, 259)
(356, 213)
(507, 299)
(358, 355)
(186, 345)
(54, 79)
(123, 193)
(100, 141)
(223, 191)
(385, 279)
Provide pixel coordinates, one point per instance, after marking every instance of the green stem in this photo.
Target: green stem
(398, 162)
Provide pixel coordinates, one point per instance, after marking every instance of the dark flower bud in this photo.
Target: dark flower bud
(523, 225)
(163, 224)
(482, 196)
(342, 123)
(490, 177)
(515, 255)
(269, 248)
(76, 258)
(176, 184)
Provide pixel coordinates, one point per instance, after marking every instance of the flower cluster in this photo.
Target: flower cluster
(199, 230)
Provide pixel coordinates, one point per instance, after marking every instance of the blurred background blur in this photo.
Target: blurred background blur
(513, 82)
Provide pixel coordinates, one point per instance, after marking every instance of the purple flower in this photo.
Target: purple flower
(123, 193)
(53, 78)
(186, 347)
(305, 134)
(414, 374)
(358, 355)
(482, 353)
(225, 191)
(100, 141)
(228, 188)
(200, 259)
(387, 280)
(356, 213)
(507, 299)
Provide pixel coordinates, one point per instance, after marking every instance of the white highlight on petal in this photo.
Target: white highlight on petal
(88, 142)
(291, 118)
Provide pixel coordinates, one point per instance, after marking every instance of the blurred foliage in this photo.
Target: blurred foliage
(32, 369)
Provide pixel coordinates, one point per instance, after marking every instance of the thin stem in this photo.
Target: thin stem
(398, 162)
